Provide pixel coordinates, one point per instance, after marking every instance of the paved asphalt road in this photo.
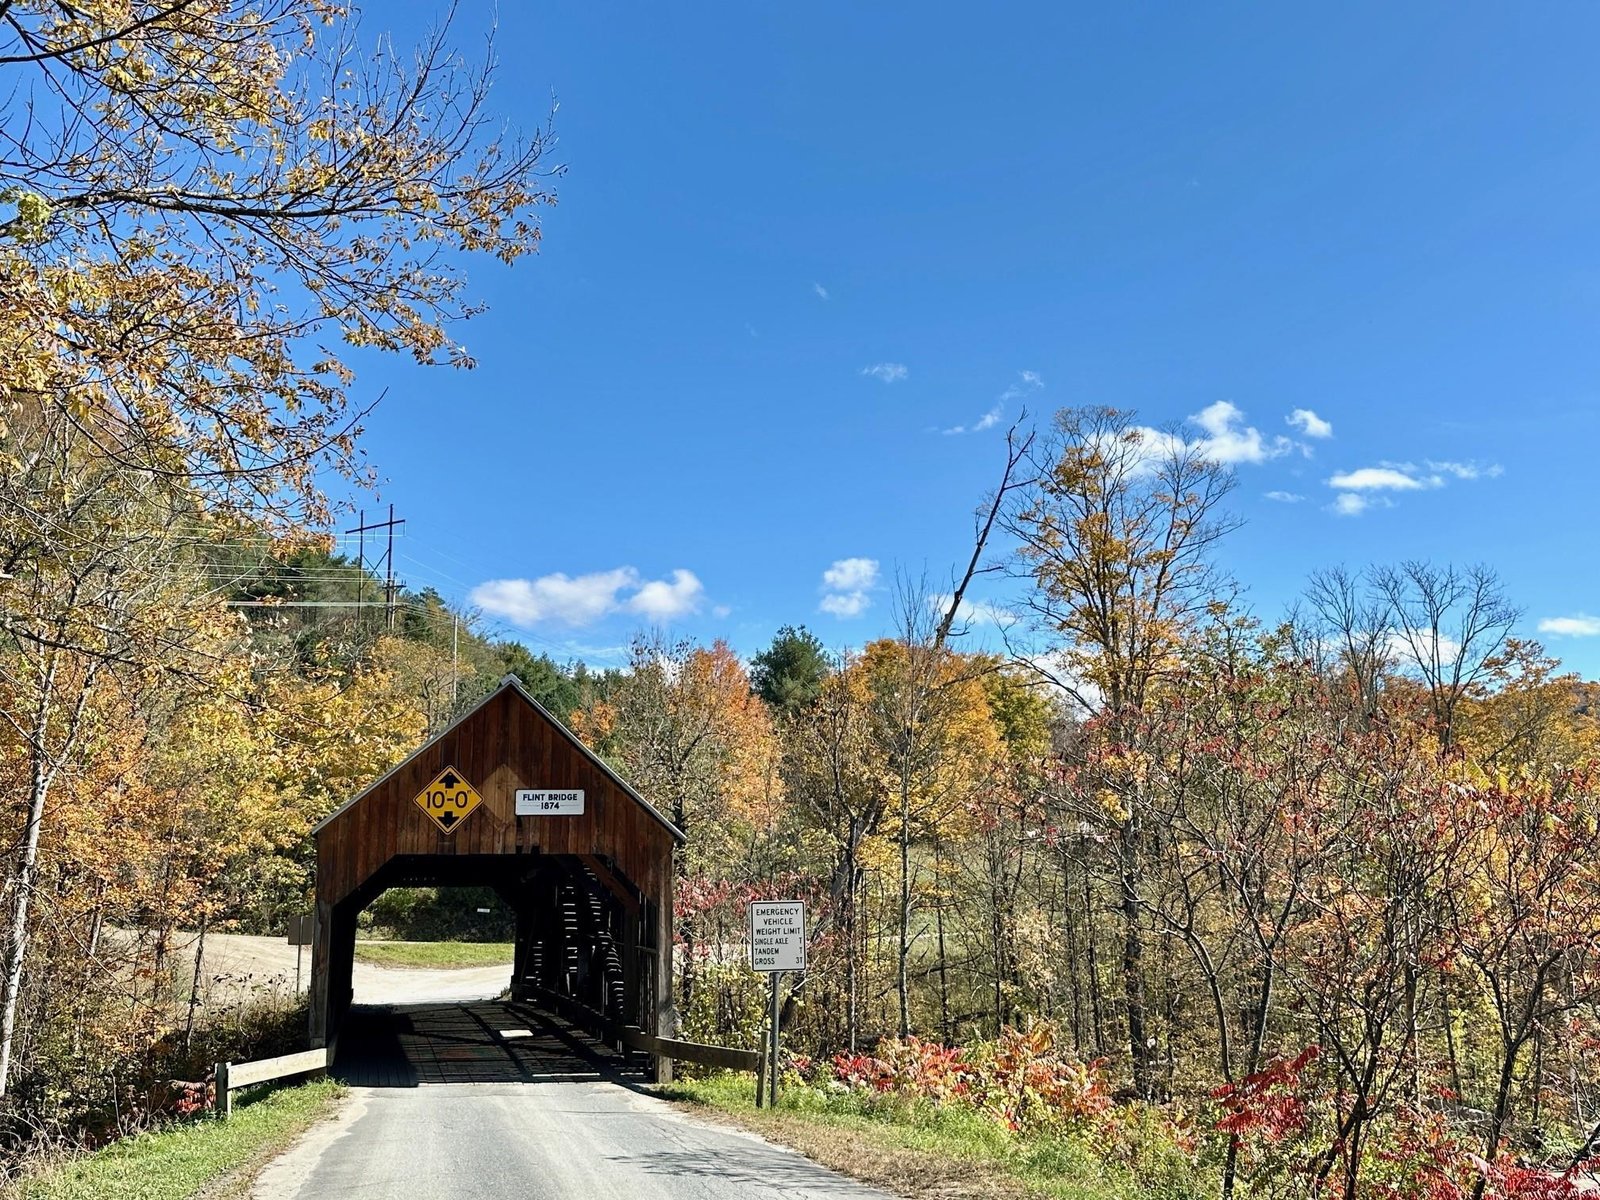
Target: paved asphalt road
(545, 1122)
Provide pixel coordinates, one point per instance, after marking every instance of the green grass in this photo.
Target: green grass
(926, 1149)
(183, 1160)
(435, 955)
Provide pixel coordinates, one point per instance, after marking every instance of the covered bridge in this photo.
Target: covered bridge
(507, 798)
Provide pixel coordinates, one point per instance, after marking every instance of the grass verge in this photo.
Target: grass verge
(926, 1151)
(434, 955)
(201, 1157)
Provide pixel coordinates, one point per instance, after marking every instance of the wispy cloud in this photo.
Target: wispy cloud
(577, 601)
(887, 372)
(846, 585)
(1466, 470)
(1374, 483)
(822, 292)
(1577, 625)
(1026, 383)
(1285, 497)
(988, 421)
(1309, 424)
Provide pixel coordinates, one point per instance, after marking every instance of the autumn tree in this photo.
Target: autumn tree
(685, 729)
(831, 772)
(1114, 543)
(935, 739)
(1449, 624)
(203, 198)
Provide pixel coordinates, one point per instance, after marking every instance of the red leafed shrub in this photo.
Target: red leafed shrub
(862, 1072)
(1267, 1106)
(1026, 1081)
(1508, 1181)
(908, 1067)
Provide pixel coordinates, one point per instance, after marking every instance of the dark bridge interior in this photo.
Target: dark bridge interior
(486, 1041)
(581, 931)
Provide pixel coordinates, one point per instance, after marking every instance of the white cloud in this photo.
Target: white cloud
(972, 612)
(721, 610)
(1228, 440)
(847, 583)
(580, 600)
(888, 372)
(846, 604)
(1388, 478)
(851, 574)
(662, 601)
(822, 292)
(1350, 504)
(1032, 378)
(1308, 423)
(1577, 625)
(1363, 488)
(1404, 648)
(1285, 497)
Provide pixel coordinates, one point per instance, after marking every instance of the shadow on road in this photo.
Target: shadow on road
(481, 1042)
(756, 1167)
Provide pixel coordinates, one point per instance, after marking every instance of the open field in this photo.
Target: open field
(434, 955)
(243, 963)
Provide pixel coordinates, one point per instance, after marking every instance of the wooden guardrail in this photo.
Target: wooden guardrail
(232, 1076)
(727, 1057)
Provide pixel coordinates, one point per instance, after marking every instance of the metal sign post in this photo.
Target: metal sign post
(777, 944)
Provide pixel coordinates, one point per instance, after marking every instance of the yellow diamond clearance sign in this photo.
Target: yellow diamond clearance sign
(449, 799)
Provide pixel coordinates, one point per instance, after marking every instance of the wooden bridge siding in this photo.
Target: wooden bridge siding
(504, 746)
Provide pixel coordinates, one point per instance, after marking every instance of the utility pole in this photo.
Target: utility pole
(390, 591)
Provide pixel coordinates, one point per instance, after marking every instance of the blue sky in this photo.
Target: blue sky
(798, 245)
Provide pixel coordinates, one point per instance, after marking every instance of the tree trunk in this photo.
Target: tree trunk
(194, 988)
(902, 980)
(1095, 1010)
(22, 880)
(1133, 959)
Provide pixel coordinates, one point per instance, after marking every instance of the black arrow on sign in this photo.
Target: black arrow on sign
(447, 819)
(450, 781)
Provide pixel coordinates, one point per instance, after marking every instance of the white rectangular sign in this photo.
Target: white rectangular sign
(778, 935)
(562, 802)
